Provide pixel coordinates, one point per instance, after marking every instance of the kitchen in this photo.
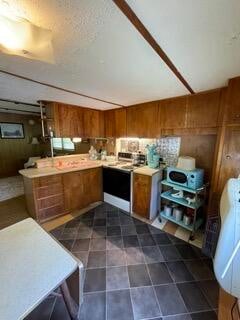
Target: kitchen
(131, 188)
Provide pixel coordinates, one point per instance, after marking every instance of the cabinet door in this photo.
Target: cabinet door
(230, 164)
(142, 120)
(109, 123)
(92, 185)
(82, 188)
(91, 123)
(233, 101)
(172, 113)
(70, 121)
(120, 123)
(141, 194)
(74, 196)
(203, 109)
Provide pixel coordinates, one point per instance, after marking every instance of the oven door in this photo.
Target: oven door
(117, 183)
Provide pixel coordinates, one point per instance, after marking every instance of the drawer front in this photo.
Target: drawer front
(48, 180)
(47, 191)
(49, 213)
(50, 202)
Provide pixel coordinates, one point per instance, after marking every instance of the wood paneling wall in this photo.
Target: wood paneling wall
(15, 152)
(201, 147)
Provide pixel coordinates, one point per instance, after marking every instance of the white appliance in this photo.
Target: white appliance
(117, 182)
(227, 257)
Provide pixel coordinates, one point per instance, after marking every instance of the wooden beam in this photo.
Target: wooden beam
(58, 88)
(132, 17)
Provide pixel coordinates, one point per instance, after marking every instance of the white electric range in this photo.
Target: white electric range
(118, 180)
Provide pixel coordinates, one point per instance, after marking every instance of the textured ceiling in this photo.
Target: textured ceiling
(201, 37)
(99, 53)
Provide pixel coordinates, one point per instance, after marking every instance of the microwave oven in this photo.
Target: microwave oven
(191, 179)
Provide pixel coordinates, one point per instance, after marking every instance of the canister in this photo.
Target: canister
(167, 210)
(186, 220)
(178, 213)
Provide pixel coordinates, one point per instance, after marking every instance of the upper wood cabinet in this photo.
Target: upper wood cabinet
(172, 113)
(233, 102)
(115, 123)
(73, 121)
(203, 109)
(93, 123)
(142, 121)
(70, 121)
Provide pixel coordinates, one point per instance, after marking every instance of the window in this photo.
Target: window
(63, 144)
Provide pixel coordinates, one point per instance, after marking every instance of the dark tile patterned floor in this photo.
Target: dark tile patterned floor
(134, 271)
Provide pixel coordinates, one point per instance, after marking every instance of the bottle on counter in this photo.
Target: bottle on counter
(93, 155)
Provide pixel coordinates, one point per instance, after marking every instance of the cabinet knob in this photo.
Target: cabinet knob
(228, 157)
(237, 116)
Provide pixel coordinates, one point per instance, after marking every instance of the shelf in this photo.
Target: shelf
(182, 201)
(190, 227)
(178, 187)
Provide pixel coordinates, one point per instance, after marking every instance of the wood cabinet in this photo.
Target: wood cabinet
(45, 197)
(146, 194)
(52, 196)
(115, 123)
(73, 121)
(233, 102)
(70, 120)
(141, 194)
(172, 113)
(203, 109)
(82, 188)
(142, 121)
(93, 125)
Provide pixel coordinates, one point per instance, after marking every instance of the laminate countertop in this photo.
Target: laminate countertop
(146, 171)
(49, 171)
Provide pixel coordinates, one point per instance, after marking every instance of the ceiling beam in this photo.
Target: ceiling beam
(58, 88)
(132, 17)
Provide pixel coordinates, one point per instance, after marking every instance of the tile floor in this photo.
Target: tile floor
(134, 271)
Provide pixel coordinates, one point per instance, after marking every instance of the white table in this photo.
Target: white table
(32, 265)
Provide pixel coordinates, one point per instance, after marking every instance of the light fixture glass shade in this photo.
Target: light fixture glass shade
(35, 140)
(76, 140)
(22, 38)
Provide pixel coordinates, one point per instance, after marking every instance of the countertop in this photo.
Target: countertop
(48, 171)
(146, 171)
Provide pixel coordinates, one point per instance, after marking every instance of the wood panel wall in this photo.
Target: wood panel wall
(15, 152)
(201, 147)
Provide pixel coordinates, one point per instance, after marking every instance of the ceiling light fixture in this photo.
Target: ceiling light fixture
(20, 37)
